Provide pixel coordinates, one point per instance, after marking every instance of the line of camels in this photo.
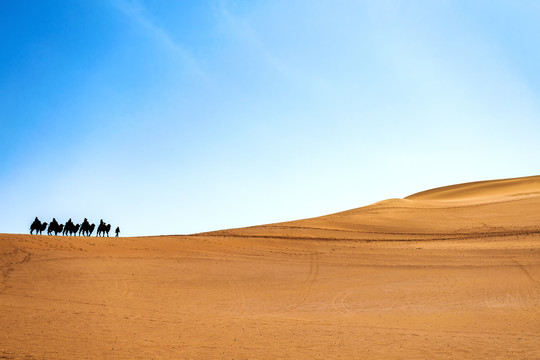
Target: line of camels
(69, 228)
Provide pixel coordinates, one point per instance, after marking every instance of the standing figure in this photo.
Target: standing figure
(117, 231)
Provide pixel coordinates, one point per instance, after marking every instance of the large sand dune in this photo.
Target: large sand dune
(449, 273)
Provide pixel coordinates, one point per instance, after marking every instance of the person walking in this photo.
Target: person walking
(117, 231)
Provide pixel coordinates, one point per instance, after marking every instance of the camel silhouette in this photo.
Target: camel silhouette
(86, 229)
(103, 229)
(37, 226)
(69, 228)
(91, 229)
(54, 227)
(75, 230)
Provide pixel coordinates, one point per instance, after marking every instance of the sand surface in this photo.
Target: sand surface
(450, 273)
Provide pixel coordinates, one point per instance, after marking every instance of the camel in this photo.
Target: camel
(75, 230)
(38, 226)
(91, 229)
(103, 229)
(84, 226)
(71, 229)
(54, 227)
(83, 229)
(68, 228)
(86, 229)
(42, 228)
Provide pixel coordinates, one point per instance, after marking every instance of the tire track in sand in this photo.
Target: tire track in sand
(536, 291)
(307, 284)
(21, 257)
(339, 304)
(525, 271)
(240, 296)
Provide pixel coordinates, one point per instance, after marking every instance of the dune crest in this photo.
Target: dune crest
(523, 186)
(457, 211)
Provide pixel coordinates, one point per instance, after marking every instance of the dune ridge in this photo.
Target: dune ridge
(453, 212)
(448, 273)
(523, 186)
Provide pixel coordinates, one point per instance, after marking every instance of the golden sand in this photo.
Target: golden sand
(449, 273)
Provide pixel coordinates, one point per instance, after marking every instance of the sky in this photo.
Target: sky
(176, 117)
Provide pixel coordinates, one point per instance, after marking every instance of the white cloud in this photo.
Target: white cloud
(136, 11)
(241, 30)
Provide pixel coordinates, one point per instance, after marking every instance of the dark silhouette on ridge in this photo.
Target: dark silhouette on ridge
(42, 228)
(75, 230)
(38, 226)
(68, 228)
(54, 227)
(85, 229)
(91, 229)
(103, 228)
(84, 226)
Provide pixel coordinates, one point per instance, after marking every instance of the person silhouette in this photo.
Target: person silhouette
(117, 231)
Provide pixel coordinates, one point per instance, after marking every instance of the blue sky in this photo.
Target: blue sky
(176, 117)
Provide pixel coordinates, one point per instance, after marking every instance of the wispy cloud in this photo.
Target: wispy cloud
(242, 30)
(136, 12)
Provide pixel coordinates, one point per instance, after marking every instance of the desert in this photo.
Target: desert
(448, 273)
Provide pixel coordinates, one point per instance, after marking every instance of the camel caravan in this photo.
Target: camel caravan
(69, 228)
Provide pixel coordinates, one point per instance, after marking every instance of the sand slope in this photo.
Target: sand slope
(449, 273)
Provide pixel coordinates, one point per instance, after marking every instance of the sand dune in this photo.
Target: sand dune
(483, 189)
(448, 273)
